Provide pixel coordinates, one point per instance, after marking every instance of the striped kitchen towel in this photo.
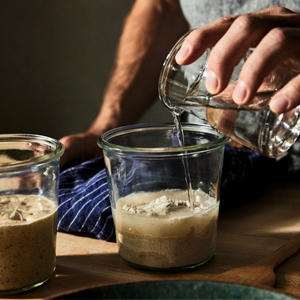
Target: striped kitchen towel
(84, 205)
(84, 201)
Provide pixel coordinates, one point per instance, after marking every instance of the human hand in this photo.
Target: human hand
(79, 147)
(275, 34)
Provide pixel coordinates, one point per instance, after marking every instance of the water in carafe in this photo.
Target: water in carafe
(182, 89)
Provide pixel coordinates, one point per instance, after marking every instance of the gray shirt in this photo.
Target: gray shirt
(201, 12)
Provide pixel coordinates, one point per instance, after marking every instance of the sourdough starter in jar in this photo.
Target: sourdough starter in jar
(28, 240)
(160, 230)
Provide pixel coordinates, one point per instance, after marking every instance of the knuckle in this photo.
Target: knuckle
(278, 35)
(216, 56)
(199, 36)
(251, 70)
(295, 87)
(67, 141)
(64, 140)
(278, 10)
(244, 22)
(196, 38)
(225, 20)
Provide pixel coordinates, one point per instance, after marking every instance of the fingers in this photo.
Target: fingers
(71, 151)
(287, 98)
(278, 46)
(79, 148)
(207, 36)
(274, 32)
(202, 38)
(245, 32)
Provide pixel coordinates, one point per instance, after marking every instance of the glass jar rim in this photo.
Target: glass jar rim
(162, 82)
(58, 150)
(103, 140)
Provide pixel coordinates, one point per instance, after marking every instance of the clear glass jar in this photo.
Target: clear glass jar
(182, 88)
(29, 172)
(156, 227)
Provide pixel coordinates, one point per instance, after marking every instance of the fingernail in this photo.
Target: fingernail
(212, 82)
(279, 104)
(240, 92)
(182, 53)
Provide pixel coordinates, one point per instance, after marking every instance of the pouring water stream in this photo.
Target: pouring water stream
(187, 175)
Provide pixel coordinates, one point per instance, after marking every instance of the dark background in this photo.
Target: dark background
(56, 58)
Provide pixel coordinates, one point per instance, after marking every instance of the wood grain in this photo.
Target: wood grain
(246, 235)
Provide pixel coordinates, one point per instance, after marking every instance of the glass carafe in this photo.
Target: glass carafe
(182, 88)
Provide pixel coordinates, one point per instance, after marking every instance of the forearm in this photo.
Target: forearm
(151, 29)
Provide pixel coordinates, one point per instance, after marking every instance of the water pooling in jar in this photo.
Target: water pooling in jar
(187, 175)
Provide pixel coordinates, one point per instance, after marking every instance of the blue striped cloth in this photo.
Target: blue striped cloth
(84, 201)
(84, 205)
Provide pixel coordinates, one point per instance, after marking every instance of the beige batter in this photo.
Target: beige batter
(28, 240)
(159, 229)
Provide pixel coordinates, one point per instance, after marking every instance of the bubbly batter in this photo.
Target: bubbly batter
(160, 230)
(28, 240)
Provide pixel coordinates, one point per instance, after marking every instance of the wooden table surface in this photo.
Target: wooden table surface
(246, 234)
